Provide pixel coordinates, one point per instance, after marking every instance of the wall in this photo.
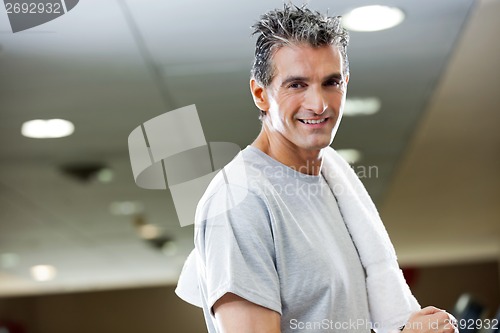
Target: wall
(155, 310)
(147, 310)
(442, 285)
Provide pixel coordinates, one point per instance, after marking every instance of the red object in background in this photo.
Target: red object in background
(411, 275)
(12, 327)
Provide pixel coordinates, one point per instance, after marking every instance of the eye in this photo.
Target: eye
(296, 85)
(333, 83)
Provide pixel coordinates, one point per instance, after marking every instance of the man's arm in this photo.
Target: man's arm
(237, 315)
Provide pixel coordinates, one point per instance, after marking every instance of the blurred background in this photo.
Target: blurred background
(83, 248)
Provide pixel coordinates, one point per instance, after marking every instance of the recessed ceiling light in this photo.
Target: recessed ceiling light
(125, 207)
(361, 106)
(105, 175)
(169, 248)
(50, 128)
(351, 156)
(9, 260)
(149, 231)
(43, 272)
(372, 18)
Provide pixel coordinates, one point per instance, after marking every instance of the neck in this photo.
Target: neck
(305, 161)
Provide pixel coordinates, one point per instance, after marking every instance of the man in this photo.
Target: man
(297, 254)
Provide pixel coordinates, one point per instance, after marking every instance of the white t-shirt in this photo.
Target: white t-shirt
(285, 247)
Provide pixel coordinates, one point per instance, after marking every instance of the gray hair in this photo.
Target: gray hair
(294, 25)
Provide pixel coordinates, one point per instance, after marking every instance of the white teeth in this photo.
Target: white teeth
(311, 121)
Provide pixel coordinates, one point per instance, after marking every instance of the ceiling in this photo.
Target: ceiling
(109, 66)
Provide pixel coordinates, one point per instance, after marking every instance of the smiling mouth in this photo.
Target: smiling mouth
(313, 121)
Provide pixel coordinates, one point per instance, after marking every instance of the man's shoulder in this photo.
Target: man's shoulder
(240, 177)
(244, 171)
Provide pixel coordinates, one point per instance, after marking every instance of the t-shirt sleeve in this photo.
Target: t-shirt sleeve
(237, 249)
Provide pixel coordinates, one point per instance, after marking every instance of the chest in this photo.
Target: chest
(315, 255)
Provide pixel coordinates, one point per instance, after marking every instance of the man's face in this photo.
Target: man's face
(305, 97)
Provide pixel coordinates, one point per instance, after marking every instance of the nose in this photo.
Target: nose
(315, 100)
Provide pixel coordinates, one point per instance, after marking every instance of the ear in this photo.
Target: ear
(259, 95)
(347, 79)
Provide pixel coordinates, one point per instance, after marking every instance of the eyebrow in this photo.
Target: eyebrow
(303, 78)
(338, 76)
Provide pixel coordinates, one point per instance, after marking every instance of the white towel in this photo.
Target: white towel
(389, 297)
